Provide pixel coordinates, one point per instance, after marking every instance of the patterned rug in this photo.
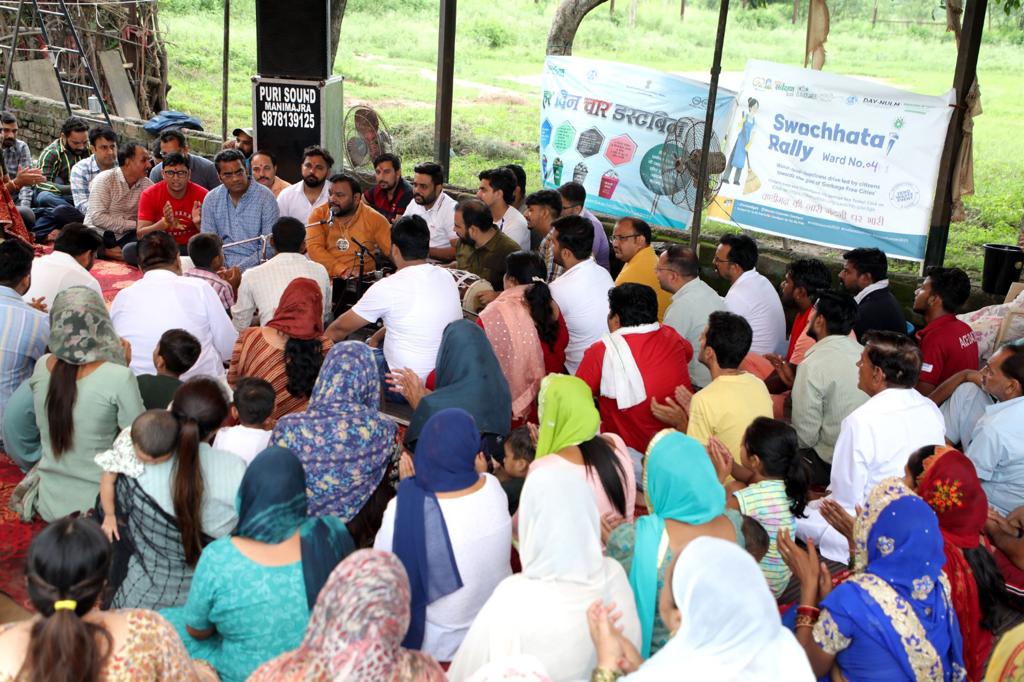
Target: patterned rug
(114, 276)
(15, 536)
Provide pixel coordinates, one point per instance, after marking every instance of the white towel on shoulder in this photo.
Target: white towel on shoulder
(620, 376)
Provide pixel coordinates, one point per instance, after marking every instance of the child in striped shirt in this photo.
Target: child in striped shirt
(777, 493)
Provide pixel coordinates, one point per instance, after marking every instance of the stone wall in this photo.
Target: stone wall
(40, 118)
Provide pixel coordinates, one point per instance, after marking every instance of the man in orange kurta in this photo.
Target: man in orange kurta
(335, 227)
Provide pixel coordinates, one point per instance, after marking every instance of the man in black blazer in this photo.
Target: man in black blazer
(864, 276)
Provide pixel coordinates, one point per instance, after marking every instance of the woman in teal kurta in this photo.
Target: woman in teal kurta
(242, 612)
(90, 379)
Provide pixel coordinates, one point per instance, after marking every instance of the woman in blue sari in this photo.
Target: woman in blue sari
(252, 591)
(892, 620)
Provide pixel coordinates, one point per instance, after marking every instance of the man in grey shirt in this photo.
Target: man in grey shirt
(693, 301)
(16, 154)
(204, 173)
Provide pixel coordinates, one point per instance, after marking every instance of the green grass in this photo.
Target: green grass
(387, 45)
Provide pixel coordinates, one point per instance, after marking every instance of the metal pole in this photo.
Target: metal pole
(709, 119)
(85, 61)
(225, 68)
(445, 86)
(13, 52)
(963, 77)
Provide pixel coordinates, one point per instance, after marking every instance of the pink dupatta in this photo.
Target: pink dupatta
(513, 335)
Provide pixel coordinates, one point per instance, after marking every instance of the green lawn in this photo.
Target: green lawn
(388, 52)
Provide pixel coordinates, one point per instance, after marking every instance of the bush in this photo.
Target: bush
(766, 18)
(491, 33)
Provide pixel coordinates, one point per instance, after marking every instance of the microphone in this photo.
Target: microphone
(363, 248)
(329, 219)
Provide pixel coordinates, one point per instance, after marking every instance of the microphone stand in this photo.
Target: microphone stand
(363, 251)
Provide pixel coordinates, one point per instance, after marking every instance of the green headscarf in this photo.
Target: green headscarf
(81, 330)
(566, 412)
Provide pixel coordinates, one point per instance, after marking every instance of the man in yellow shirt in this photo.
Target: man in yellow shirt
(336, 227)
(631, 242)
(723, 409)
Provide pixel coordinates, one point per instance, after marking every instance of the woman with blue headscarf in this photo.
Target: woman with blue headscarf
(252, 592)
(686, 501)
(892, 620)
(449, 525)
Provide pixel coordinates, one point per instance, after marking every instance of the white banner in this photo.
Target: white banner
(832, 160)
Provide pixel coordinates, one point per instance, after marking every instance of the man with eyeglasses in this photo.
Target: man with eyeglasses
(631, 242)
(202, 171)
(574, 197)
(173, 205)
(238, 210)
(750, 293)
(299, 200)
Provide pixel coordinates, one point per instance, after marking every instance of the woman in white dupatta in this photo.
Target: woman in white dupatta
(725, 622)
(542, 611)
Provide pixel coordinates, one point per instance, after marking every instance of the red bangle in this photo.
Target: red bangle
(808, 610)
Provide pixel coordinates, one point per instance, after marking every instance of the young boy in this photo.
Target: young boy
(206, 250)
(755, 537)
(252, 406)
(520, 448)
(174, 355)
(150, 439)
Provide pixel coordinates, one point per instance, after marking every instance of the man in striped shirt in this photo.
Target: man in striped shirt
(24, 331)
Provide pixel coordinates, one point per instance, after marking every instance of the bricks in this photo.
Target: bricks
(40, 118)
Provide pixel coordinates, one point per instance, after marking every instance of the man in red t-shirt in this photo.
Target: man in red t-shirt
(947, 344)
(174, 204)
(648, 360)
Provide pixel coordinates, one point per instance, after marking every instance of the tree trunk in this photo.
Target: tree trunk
(337, 14)
(565, 23)
(632, 12)
(682, 9)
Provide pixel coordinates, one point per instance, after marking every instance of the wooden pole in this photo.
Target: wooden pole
(963, 77)
(709, 119)
(874, 15)
(445, 86)
(682, 9)
(796, 10)
(225, 69)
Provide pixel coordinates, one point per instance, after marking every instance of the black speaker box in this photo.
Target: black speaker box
(293, 39)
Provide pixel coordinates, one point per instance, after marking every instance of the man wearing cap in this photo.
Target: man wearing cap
(242, 142)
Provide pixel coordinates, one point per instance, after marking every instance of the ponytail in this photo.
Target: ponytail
(598, 456)
(200, 408)
(775, 443)
(538, 297)
(60, 406)
(187, 489)
(66, 572)
(995, 601)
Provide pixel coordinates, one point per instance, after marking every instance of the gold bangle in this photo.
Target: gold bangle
(605, 675)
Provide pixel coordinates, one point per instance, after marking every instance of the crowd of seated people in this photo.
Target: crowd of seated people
(605, 470)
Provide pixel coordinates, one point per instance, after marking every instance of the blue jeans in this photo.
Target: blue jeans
(382, 371)
(53, 212)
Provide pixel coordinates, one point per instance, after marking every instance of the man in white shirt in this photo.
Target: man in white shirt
(430, 202)
(261, 287)
(298, 200)
(750, 293)
(693, 301)
(581, 292)
(163, 300)
(497, 190)
(877, 438)
(415, 304)
(73, 255)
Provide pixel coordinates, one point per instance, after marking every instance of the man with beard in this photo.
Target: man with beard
(17, 155)
(497, 189)
(392, 194)
(173, 205)
(238, 210)
(202, 171)
(299, 200)
(482, 249)
(337, 228)
(264, 171)
(947, 343)
(430, 202)
(825, 389)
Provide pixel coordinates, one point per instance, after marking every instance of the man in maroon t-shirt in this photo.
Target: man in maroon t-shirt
(947, 344)
(174, 204)
(658, 353)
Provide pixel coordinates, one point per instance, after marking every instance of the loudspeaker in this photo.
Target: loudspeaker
(293, 39)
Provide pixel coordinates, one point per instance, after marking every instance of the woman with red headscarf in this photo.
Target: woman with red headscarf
(288, 351)
(945, 478)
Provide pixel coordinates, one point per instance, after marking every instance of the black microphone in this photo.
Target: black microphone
(362, 246)
(329, 219)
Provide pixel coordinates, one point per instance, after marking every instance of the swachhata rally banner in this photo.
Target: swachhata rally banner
(606, 125)
(832, 160)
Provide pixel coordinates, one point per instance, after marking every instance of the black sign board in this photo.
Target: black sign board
(288, 117)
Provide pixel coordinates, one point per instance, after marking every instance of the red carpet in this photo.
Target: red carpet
(15, 536)
(114, 276)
